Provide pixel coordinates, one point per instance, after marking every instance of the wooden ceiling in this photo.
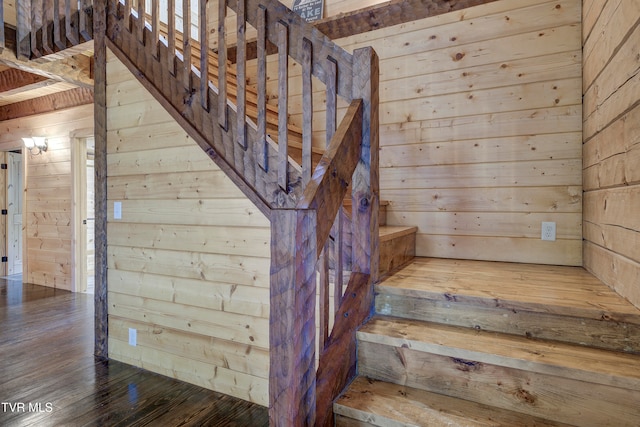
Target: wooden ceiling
(17, 86)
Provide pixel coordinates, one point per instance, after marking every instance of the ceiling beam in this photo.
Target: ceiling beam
(47, 104)
(389, 13)
(15, 81)
(372, 18)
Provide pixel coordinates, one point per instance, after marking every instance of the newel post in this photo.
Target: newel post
(292, 376)
(366, 185)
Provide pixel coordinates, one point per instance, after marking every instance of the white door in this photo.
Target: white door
(14, 213)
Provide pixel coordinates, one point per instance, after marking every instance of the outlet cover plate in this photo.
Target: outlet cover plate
(133, 337)
(548, 231)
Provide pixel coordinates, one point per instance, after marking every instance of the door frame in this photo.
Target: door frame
(21, 174)
(79, 208)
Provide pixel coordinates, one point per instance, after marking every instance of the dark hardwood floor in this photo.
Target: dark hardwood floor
(49, 376)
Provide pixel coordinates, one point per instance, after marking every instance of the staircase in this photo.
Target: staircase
(484, 343)
(300, 188)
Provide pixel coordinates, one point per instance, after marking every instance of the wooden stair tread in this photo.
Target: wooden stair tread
(538, 288)
(379, 403)
(552, 358)
(388, 232)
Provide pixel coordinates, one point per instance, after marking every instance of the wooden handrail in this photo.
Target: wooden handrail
(326, 191)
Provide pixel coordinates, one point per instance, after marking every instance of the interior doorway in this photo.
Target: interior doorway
(83, 154)
(15, 187)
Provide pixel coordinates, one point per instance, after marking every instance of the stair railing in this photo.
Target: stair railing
(45, 28)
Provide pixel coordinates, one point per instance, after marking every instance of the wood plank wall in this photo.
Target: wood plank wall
(480, 129)
(189, 260)
(611, 84)
(47, 214)
(331, 8)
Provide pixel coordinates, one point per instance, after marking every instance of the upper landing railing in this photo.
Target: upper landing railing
(46, 27)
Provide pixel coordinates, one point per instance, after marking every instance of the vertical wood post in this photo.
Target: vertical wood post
(171, 35)
(100, 131)
(141, 20)
(223, 113)
(59, 33)
(23, 28)
(127, 14)
(85, 23)
(186, 45)
(36, 20)
(307, 110)
(155, 28)
(204, 54)
(241, 75)
(262, 146)
(47, 36)
(283, 105)
(365, 186)
(71, 17)
(292, 377)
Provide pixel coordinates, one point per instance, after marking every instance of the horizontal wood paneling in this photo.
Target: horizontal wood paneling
(48, 190)
(481, 128)
(189, 260)
(611, 148)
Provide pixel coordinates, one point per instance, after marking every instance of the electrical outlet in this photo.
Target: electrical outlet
(133, 337)
(548, 231)
(117, 210)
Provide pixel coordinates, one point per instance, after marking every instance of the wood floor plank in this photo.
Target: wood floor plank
(46, 360)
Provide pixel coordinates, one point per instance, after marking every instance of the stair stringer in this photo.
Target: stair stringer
(185, 106)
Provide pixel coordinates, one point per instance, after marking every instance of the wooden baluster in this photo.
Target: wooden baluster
(338, 245)
(171, 36)
(307, 110)
(36, 10)
(331, 123)
(155, 28)
(323, 267)
(23, 29)
(222, 66)
(263, 153)
(204, 55)
(59, 36)
(332, 98)
(86, 24)
(70, 21)
(47, 44)
(2, 39)
(141, 19)
(186, 44)
(241, 76)
(127, 14)
(283, 104)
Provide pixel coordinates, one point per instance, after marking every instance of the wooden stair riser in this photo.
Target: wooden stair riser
(555, 398)
(369, 402)
(591, 332)
(396, 252)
